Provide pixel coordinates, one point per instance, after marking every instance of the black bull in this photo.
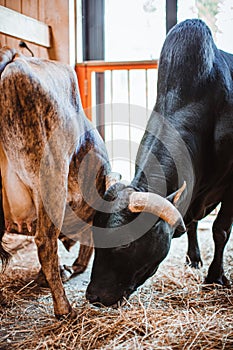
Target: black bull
(189, 138)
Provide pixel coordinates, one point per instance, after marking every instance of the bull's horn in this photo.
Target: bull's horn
(112, 178)
(157, 205)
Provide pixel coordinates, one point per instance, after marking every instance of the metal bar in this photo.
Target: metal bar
(112, 120)
(100, 117)
(147, 97)
(129, 111)
(101, 66)
(171, 14)
(93, 29)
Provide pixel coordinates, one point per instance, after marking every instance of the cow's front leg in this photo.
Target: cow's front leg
(221, 233)
(193, 255)
(80, 264)
(41, 279)
(46, 241)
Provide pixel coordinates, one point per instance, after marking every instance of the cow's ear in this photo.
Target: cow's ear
(177, 197)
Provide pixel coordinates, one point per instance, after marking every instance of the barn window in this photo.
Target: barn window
(121, 34)
(218, 15)
(134, 29)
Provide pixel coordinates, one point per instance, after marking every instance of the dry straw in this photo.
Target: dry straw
(172, 311)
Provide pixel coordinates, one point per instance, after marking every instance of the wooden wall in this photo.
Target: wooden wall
(54, 13)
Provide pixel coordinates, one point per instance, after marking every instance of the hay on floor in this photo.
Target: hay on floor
(171, 311)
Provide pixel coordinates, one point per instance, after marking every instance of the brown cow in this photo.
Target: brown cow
(53, 163)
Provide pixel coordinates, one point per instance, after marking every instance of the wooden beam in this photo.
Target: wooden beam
(22, 27)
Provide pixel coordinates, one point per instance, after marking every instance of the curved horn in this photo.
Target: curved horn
(157, 205)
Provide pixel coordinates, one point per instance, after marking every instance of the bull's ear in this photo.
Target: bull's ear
(177, 197)
(112, 178)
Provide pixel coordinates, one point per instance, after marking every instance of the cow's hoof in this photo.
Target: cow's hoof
(41, 280)
(3, 300)
(211, 283)
(66, 273)
(74, 270)
(70, 316)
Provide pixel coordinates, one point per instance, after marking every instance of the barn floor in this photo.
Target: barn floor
(171, 310)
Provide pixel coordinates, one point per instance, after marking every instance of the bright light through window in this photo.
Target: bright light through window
(134, 29)
(218, 15)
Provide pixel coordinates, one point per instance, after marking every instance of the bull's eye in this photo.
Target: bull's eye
(123, 246)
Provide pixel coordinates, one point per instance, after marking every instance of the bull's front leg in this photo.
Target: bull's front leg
(46, 241)
(221, 233)
(193, 255)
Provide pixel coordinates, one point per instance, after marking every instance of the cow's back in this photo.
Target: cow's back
(43, 131)
(37, 97)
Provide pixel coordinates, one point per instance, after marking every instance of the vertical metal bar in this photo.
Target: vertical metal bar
(100, 117)
(171, 14)
(147, 97)
(93, 47)
(93, 29)
(112, 120)
(129, 111)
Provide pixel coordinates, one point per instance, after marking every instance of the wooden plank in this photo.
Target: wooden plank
(57, 15)
(30, 8)
(13, 5)
(2, 40)
(23, 27)
(43, 52)
(2, 37)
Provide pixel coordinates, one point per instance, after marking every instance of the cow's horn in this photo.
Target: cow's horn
(112, 178)
(157, 205)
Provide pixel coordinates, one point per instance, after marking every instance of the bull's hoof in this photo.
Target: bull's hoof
(211, 283)
(194, 263)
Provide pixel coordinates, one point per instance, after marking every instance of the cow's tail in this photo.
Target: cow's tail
(25, 46)
(7, 55)
(4, 255)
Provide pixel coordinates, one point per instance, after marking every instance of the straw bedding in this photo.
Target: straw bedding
(171, 311)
